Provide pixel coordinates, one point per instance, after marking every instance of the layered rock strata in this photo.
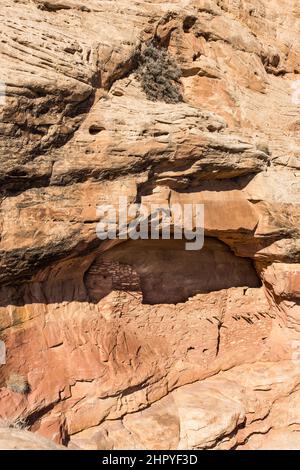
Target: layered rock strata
(142, 344)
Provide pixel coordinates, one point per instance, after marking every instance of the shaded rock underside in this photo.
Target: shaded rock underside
(144, 344)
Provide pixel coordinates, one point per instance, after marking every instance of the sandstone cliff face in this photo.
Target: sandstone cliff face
(12, 438)
(141, 344)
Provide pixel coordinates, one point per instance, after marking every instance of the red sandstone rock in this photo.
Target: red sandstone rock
(142, 344)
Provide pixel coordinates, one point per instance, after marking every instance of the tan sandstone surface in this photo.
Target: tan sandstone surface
(143, 344)
(20, 439)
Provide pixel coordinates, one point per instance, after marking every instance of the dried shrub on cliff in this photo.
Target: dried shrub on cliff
(159, 75)
(18, 384)
(17, 423)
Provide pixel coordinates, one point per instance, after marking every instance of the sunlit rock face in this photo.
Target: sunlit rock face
(142, 344)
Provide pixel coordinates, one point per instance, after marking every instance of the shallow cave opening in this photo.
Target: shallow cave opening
(165, 272)
(95, 129)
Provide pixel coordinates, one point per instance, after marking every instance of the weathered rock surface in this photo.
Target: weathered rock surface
(144, 344)
(20, 439)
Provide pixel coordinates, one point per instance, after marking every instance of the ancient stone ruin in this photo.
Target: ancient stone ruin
(141, 344)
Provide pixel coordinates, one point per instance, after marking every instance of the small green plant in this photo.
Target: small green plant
(159, 75)
(18, 384)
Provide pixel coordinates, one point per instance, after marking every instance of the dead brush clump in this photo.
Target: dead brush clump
(18, 383)
(159, 75)
(17, 423)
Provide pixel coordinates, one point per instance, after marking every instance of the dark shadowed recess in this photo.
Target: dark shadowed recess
(165, 272)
